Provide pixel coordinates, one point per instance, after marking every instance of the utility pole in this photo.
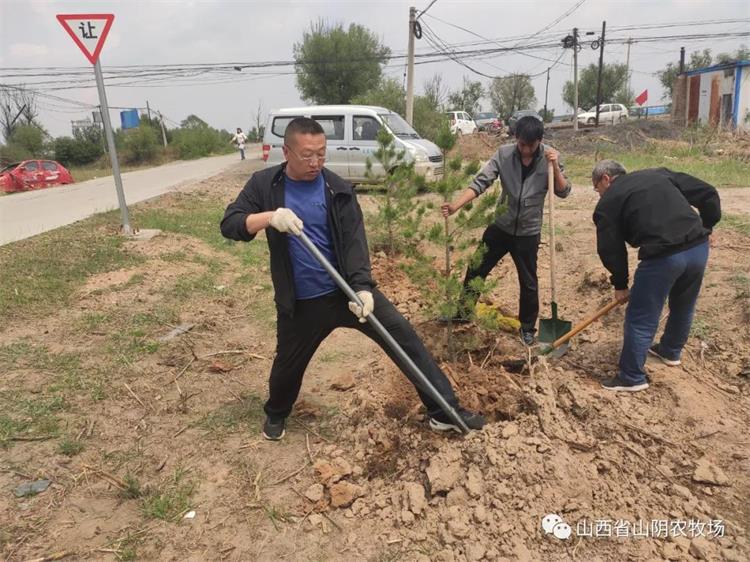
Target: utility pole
(163, 132)
(575, 78)
(571, 42)
(148, 110)
(546, 91)
(599, 79)
(410, 68)
(627, 65)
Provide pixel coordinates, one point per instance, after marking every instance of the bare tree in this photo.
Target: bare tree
(18, 106)
(435, 91)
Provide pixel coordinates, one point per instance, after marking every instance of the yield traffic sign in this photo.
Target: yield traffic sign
(89, 31)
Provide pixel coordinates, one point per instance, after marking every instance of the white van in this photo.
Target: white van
(351, 132)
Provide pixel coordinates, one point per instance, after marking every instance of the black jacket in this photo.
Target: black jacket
(651, 210)
(265, 192)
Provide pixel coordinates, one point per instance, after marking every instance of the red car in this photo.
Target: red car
(33, 174)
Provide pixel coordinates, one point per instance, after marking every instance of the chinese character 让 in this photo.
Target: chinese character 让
(87, 30)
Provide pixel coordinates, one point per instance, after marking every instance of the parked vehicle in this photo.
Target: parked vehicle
(488, 122)
(513, 119)
(33, 174)
(461, 123)
(609, 113)
(351, 133)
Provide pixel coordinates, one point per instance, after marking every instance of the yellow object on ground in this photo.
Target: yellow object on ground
(490, 317)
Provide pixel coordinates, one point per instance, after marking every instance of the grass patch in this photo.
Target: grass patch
(170, 500)
(132, 487)
(25, 417)
(42, 273)
(738, 223)
(70, 447)
(249, 412)
(701, 329)
(199, 216)
(719, 171)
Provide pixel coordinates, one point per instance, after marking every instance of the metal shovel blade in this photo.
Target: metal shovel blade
(550, 329)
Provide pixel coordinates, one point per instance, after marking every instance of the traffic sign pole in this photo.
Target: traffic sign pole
(125, 217)
(89, 32)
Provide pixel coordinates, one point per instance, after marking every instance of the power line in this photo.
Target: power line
(423, 12)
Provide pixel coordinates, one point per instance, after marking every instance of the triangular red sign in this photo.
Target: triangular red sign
(642, 98)
(89, 31)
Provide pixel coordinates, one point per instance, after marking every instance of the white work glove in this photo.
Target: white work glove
(284, 220)
(368, 304)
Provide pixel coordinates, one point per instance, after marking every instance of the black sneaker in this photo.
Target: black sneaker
(618, 384)
(654, 350)
(441, 421)
(527, 336)
(274, 431)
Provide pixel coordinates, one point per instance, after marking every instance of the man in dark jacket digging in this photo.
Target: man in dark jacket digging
(301, 194)
(653, 210)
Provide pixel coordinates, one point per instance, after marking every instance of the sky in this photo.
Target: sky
(221, 31)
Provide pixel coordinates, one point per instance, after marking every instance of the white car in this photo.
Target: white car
(461, 123)
(351, 133)
(609, 113)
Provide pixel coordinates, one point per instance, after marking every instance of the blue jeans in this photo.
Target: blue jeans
(242, 153)
(677, 277)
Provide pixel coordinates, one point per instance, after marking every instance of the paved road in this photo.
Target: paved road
(32, 212)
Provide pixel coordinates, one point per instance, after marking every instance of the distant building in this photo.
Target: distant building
(717, 95)
(81, 124)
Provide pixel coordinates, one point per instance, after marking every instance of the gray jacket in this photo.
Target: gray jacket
(525, 202)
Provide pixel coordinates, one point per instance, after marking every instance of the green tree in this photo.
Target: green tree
(395, 227)
(334, 65)
(85, 147)
(614, 79)
(667, 76)
(193, 122)
(467, 98)
(140, 144)
(441, 280)
(511, 93)
(548, 115)
(391, 95)
(30, 139)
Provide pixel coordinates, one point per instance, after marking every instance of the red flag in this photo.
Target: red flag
(642, 98)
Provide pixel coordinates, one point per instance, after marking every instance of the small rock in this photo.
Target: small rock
(344, 493)
(315, 519)
(407, 516)
(445, 555)
(32, 488)
(443, 473)
(731, 555)
(315, 492)
(416, 498)
(510, 430)
(474, 484)
(708, 473)
(474, 552)
(458, 528)
(344, 382)
(682, 491)
(671, 551)
(699, 548)
(324, 469)
(342, 469)
(457, 496)
(480, 514)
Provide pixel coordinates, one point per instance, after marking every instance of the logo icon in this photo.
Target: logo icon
(554, 525)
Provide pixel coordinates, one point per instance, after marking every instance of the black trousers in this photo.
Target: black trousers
(299, 337)
(523, 250)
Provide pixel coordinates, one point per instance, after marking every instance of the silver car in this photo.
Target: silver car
(351, 134)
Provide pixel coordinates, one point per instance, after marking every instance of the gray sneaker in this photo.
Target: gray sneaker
(654, 350)
(274, 430)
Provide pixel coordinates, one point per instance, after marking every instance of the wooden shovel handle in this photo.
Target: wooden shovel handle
(586, 321)
(551, 190)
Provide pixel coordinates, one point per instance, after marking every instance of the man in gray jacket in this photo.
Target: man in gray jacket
(522, 169)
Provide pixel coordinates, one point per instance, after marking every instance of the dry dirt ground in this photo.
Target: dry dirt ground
(359, 476)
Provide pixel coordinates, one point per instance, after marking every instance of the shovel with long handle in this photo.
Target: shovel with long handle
(424, 382)
(583, 324)
(552, 328)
